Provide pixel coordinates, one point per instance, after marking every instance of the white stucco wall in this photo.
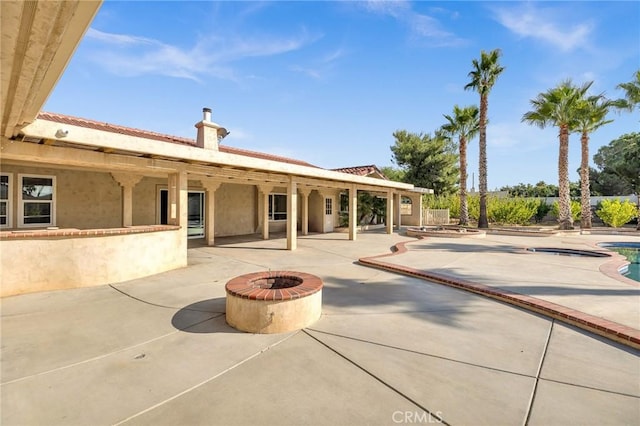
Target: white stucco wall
(44, 264)
(316, 211)
(415, 218)
(236, 210)
(145, 200)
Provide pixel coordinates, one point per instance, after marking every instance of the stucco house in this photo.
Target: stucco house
(84, 202)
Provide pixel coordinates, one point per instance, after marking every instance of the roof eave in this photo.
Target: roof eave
(44, 129)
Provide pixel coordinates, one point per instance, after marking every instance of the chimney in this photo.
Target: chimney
(207, 131)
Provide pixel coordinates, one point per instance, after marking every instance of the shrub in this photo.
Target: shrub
(615, 213)
(451, 202)
(513, 211)
(576, 209)
(542, 211)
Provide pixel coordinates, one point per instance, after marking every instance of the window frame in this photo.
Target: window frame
(328, 206)
(8, 201)
(21, 201)
(272, 203)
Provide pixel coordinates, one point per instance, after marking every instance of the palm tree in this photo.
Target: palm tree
(591, 114)
(558, 107)
(483, 76)
(465, 125)
(632, 93)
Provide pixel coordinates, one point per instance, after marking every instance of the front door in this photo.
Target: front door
(195, 211)
(328, 214)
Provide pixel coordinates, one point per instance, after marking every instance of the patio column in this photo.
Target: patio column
(353, 212)
(292, 215)
(178, 201)
(398, 209)
(210, 187)
(304, 192)
(127, 182)
(390, 212)
(265, 190)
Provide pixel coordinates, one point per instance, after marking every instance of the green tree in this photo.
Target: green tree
(483, 76)
(427, 161)
(464, 124)
(621, 158)
(558, 107)
(396, 175)
(540, 189)
(591, 115)
(632, 93)
(603, 182)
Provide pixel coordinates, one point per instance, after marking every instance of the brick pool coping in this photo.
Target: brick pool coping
(245, 286)
(613, 267)
(617, 332)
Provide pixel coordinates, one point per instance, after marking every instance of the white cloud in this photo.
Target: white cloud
(130, 55)
(119, 39)
(548, 25)
(321, 67)
(421, 25)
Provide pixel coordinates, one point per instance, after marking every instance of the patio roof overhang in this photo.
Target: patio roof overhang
(38, 40)
(86, 147)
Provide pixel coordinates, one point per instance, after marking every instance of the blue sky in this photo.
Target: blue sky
(329, 82)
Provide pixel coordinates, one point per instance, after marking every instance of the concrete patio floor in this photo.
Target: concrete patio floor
(388, 349)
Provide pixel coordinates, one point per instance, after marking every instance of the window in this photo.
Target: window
(277, 207)
(328, 206)
(37, 200)
(5, 201)
(406, 206)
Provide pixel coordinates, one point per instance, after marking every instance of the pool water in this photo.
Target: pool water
(632, 252)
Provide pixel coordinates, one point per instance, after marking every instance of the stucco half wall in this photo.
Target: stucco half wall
(64, 262)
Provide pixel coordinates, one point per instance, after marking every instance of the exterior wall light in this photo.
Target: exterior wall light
(61, 133)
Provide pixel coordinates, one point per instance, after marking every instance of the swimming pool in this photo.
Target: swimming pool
(632, 252)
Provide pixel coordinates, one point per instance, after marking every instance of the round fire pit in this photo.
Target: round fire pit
(273, 301)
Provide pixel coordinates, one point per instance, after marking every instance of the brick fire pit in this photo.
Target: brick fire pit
(273, 301)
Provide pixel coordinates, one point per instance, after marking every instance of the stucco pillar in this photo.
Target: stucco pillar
(265, 190)
(178, 200)
(353, 212)
(398, 210)
(390, 212)
(210, 187)
(292, 215)
(304, 192)
(127, 182)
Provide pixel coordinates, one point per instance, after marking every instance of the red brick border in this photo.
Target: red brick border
(25, 234)
(617, 332)
(248, 286)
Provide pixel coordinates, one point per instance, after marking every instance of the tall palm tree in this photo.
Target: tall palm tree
(465, 125)
(632, 93)
(591, 115)
(558, 107)
(483, 76)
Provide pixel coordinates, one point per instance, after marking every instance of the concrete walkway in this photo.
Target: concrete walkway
(388, 349)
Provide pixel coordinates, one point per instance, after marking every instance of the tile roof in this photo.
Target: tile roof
(362, 170)
(128, 131)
